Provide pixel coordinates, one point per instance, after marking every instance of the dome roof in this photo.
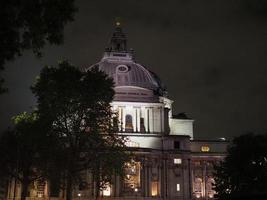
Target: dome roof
(129, 74)
(118, 63)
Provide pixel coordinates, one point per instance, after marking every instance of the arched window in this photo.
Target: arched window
(128, 123)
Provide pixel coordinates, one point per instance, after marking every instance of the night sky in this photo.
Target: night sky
(210, 54)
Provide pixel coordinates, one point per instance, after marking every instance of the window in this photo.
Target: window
(177, 161)
(198, 187)
(176, 145)
(154, 188)
(209, 187)
(40, 188)
(128, 123)
(178, 187)
(132, 172)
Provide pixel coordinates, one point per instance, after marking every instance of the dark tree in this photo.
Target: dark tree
(243, 173)
(21, 151)
(30, 24)
(76, 104)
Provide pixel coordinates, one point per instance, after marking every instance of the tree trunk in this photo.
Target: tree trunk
(97, 183)
(24, 191)
(69, 188)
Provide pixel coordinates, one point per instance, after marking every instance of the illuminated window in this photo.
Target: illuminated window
(198, 187)
(209, 187)
(40, 188)
(178, 187)
(132, 178)
(177, 161)
(107, 190)
(205, 149)
(154, 188)
(128, 123)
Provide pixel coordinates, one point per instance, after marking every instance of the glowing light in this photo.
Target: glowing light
(211, 195)
(154, 188)
(178, 187)
(107, 190)
(205, 149)
(40, 195)
(177, 161)
(79, 194)
(118, 23)
(136, 189)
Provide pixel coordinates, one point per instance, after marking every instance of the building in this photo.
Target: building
(169, 163)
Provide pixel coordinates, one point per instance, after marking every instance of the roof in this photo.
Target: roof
(118, 63)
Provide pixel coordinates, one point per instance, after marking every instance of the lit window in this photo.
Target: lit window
(107, 190)
(40, 188)
(205, 149)
(178, 187)
(132, 171)
(177, 161)
(198, 187)
(128, 123)
(209, 187)
(154, 188)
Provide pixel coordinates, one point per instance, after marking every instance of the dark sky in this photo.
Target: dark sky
(211, 55)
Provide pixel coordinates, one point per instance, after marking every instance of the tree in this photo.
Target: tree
(76, 104)
(243, 173)
(21, 152)
(30, 24)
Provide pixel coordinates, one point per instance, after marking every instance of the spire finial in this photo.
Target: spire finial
(118, 42)
(118, 22)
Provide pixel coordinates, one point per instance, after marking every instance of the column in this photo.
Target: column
(138, 112)
(148, 120)
(162, 119)
(123, 119)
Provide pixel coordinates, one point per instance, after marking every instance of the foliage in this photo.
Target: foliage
(30, 24)
(243, 173)
(21, 151)
(76, 105)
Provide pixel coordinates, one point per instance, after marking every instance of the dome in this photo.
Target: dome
(129, 73)
(118, 63)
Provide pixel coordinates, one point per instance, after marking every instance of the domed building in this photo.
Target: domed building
(140, 98)
(168, 163)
